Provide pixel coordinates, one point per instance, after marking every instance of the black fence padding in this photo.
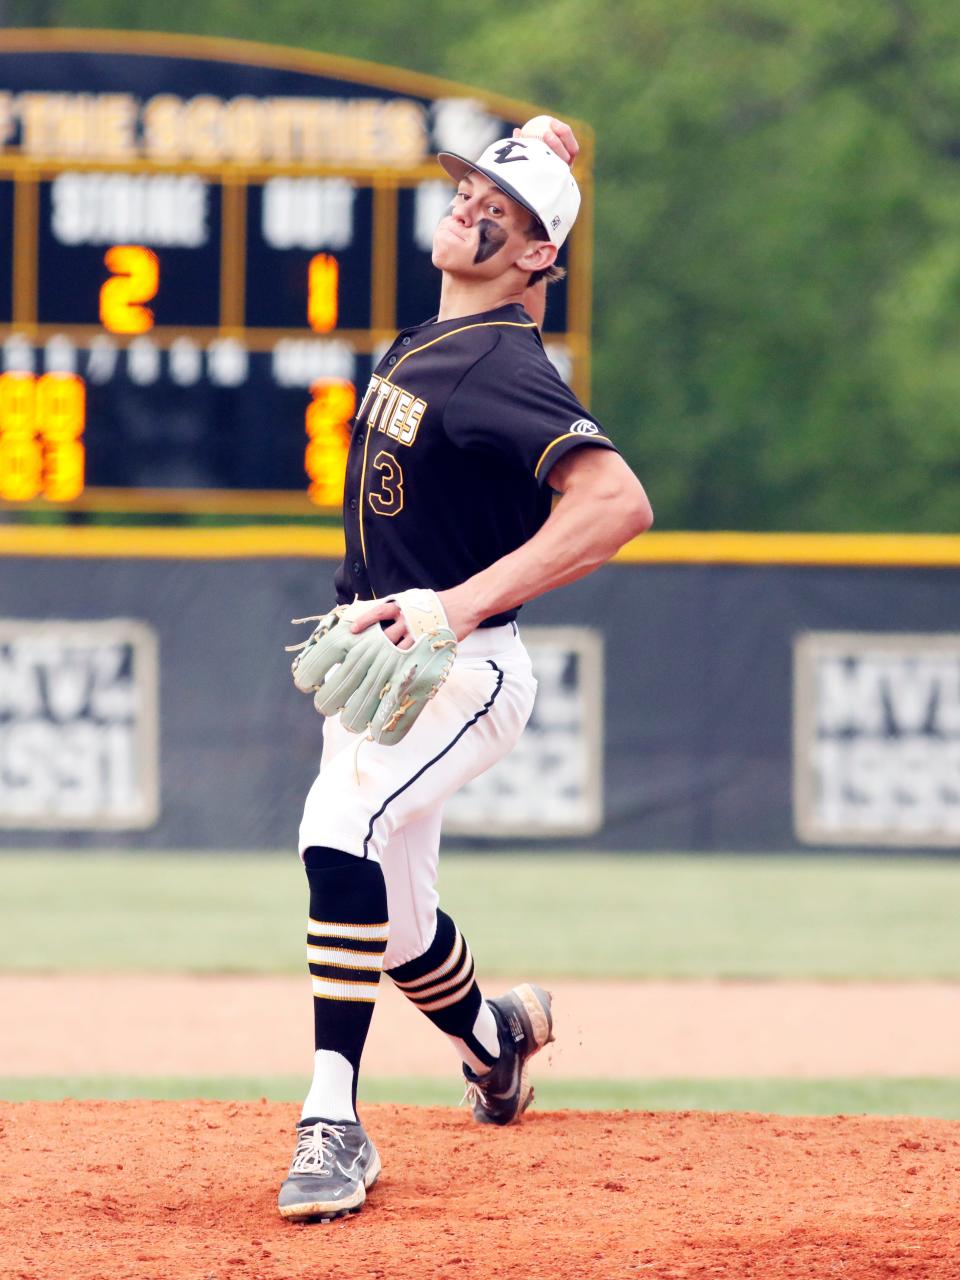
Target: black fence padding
(698, 688)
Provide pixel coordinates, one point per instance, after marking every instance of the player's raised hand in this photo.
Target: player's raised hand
(557, 134)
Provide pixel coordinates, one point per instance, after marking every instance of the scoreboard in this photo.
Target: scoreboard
(204, 246)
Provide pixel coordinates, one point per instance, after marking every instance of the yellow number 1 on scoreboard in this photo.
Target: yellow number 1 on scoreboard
(323, 278)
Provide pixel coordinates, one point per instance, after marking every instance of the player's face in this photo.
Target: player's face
(485, 232)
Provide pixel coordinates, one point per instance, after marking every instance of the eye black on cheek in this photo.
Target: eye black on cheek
(491, 238)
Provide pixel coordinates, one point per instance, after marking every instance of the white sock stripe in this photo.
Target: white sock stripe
(345, 959)
(334, 989)
(413, 984)
(358, 932)
(443, 1003)
(464, 972)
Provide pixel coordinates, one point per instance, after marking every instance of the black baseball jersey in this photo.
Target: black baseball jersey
(451, 447)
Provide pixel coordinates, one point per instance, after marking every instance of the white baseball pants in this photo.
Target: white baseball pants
(387, 803)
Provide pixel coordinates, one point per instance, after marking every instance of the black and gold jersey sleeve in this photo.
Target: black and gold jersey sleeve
(513, 402)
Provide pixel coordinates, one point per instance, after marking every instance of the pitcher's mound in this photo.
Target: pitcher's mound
(186, 1191)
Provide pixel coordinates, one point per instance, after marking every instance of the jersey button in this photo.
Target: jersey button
(392, 360)
(353, 504)
(356, 566)
(359, 437)
(406, 342)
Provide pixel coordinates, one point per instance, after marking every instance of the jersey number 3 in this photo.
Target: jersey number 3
(387, 499)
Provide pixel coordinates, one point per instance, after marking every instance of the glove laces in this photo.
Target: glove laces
(292, 648)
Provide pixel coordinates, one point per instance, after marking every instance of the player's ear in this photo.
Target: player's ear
(537, 256)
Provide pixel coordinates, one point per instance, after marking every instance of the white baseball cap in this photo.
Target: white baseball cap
(528, 171)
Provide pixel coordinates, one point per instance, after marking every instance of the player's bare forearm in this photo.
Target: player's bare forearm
(603, 505)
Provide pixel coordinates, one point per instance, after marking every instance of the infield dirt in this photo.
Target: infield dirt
(172, 1025)
(186, 1191)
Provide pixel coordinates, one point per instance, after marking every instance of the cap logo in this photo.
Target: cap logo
(505, 153)
(544, 186)
(584, 427)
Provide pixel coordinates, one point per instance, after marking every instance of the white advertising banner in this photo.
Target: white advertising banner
(877, 738)
(551, 784)
(78, 725)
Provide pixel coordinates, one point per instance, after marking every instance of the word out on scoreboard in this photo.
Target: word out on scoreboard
(203, 250)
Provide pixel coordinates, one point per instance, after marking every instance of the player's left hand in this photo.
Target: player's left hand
(386, 611)
(461, 617)
(354, 671)
(561, 139)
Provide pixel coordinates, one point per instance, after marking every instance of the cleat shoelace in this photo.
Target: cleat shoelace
(315, 1154)
(473, 1094)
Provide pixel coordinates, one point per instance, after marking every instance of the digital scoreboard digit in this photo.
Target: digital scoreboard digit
(204, 245)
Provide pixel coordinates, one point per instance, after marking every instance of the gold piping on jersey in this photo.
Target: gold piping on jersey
(483, 324)
(388, 377)
(363, 498)
(567, 435)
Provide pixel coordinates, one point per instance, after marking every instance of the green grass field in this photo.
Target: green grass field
(578, 916)
(833, 918)
(904, 1097)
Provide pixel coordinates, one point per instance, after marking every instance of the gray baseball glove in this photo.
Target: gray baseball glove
(375, 687)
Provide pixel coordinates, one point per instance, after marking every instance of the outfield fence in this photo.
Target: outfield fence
(703, 692)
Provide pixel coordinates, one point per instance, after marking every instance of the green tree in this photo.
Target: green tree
(777, 279)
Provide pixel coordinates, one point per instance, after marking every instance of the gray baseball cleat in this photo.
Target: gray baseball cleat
(334, 1164)
(524, 1024)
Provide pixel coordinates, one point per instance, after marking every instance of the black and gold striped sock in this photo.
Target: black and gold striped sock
(346, 940)
(442, 985)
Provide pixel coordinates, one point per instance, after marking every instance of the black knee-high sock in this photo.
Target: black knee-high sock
(441, 984)
(346, 941)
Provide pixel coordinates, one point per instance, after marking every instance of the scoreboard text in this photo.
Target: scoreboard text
(204, 246)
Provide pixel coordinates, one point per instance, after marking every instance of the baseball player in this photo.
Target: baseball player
(462, 438)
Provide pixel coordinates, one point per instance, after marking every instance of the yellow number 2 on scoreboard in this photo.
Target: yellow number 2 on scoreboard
(331, 407)
(134, 280)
